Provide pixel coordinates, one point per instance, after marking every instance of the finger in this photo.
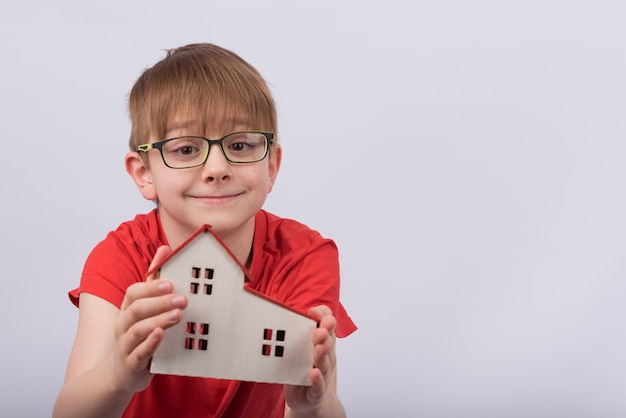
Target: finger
(324, 317)
(162, 252)
(324, 356)
(329, 323)
(316, 391)
(322, 337)
(322, 350)
(146, 300)
(319, 312)
(132, 368)
(140, 339)
(140, 356)
(137, 290)
(142, 290)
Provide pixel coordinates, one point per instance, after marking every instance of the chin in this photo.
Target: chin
(226, 225)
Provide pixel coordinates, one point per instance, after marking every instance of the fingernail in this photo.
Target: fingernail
(172, 315)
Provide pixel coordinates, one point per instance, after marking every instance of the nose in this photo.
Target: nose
(216, 167)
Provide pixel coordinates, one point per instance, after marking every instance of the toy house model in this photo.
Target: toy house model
(229, 331)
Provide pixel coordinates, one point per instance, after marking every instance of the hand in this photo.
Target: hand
(321, 395)
(147, 309)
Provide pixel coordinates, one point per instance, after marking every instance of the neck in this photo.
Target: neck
(240, 243)
(239, 240)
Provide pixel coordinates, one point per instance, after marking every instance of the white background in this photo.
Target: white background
(468, 157)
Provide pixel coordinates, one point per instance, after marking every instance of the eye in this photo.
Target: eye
(244, 143)
(238, 146)
(184, 147)
(186, 150)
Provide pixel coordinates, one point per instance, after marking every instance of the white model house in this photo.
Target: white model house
(229, 331)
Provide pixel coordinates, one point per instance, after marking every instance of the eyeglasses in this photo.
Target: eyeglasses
(193, 151)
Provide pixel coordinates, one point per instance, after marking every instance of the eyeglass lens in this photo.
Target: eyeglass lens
(239, 147)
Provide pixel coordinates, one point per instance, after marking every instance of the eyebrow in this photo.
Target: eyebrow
(194, 124)
(181, 124)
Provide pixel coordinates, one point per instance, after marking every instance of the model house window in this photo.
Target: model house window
(193, 288)
(208, 274)
(207, 277)
(192, 329)
(269, 341)
(189, 343)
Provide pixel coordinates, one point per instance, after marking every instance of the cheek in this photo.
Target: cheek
(259, 179)
(264, 178)
(172, 181)
(256, 174)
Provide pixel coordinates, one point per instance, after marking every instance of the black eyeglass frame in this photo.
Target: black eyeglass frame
(269, 140)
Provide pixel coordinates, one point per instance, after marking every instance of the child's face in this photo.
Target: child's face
(224, 195)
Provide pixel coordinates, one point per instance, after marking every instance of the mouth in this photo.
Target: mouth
(216, 199)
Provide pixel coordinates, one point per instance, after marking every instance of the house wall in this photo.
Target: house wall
(222, 334)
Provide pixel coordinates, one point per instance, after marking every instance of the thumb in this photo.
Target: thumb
(161, 253)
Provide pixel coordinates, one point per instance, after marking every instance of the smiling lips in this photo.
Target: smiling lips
(217, 199)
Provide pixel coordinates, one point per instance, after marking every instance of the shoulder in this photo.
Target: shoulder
(134, 241)
(286, 234)
(283, 247)
(297, 266)
(143, 233)
(121, 258)
(140, 234)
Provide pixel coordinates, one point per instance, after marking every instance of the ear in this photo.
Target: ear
(140, 173)
(274, 165)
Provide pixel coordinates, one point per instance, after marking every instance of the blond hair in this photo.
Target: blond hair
(213, 84)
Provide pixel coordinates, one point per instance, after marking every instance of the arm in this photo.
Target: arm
(320, 399)
(111, 355)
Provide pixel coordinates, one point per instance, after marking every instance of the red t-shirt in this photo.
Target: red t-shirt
(291, 263)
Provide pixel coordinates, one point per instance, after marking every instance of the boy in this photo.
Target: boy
(198, 92)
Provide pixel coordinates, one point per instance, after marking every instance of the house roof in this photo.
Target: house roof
(203, 228)
(247, 277)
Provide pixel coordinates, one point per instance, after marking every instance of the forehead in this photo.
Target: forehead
(211, 125)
